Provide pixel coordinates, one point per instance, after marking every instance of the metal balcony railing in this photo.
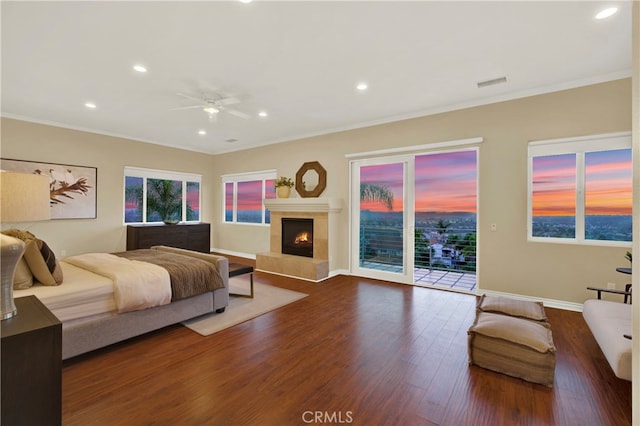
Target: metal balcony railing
(437, 251)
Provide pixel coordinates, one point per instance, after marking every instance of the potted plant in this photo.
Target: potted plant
(283, 186)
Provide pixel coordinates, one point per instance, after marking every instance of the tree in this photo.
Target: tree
(442, 226)
(422, 254)
(164, 198)
(376, 192)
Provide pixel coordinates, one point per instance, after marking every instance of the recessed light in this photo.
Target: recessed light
(263, 114)
(362, 86)
(202, 132)
(245, 1)
(140, 68)
(605, 13)
(90, 105)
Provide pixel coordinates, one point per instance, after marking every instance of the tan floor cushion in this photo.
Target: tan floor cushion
(512, 307)
(514, 346)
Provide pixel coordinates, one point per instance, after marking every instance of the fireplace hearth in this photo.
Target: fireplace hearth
(297, 236)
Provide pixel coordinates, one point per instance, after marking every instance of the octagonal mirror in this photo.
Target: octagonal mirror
(311, 179)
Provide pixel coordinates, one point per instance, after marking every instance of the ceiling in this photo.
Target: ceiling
(299, 62)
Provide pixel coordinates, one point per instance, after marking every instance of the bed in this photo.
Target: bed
(90, 305)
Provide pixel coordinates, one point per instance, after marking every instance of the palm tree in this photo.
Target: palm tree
(441, 228)
(164, 198)
(376, 192)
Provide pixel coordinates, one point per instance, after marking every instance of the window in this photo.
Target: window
(244, 194)
(160, 196)
(580, 190)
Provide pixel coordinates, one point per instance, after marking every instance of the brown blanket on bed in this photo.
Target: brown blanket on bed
(189, 276)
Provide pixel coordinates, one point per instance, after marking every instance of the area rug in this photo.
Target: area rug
(266, 298)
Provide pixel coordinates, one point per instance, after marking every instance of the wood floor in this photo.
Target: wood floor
(355, 351)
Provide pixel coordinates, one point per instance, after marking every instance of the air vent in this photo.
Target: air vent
(492, 82)
(231, 140)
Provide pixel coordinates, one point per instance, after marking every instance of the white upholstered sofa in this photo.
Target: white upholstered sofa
(609, 322)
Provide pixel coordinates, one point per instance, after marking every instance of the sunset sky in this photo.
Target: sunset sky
(249, 194)
(447, 183)
(608, 180)
(444, 182)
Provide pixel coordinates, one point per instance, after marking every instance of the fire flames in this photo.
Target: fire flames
(301, 238)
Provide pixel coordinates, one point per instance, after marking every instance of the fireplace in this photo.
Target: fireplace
(297, 236)
(321, 215)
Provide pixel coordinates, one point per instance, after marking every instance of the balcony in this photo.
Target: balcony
(444, 257)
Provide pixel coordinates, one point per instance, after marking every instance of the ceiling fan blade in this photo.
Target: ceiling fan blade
(186, 107)
(193, 98)
(238, 113)
(228, 101)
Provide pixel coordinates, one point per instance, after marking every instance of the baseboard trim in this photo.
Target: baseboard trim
(296, 277)
(551, 303)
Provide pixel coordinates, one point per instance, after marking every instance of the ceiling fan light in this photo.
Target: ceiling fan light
(211, 110)
(605, 13)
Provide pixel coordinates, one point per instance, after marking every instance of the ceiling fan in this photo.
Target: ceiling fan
(213, 104)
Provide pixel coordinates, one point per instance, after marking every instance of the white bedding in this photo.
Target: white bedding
(81, 294)
(137, 285)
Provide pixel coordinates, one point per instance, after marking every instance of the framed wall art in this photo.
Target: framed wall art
(72, 188)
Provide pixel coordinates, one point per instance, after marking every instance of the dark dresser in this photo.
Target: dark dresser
(31, 365)
(191, 236)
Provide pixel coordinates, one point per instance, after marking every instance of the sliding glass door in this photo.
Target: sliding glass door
(414, 218)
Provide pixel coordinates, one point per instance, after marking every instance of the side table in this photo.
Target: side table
(236, 269)
(31, 354)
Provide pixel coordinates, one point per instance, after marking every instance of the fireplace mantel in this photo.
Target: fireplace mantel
(332, 205)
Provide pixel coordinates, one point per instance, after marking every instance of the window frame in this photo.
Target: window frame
(579, 146)
(235, 178)
(139, 172)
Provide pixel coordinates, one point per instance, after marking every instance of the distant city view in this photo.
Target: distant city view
(442, 240)
(597, 227)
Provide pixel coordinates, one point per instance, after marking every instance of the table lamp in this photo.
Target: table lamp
(24, 198)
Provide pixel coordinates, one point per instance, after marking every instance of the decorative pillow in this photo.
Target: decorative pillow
(43, 263)
(19, 234)
(41, 260)
(23, 277)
